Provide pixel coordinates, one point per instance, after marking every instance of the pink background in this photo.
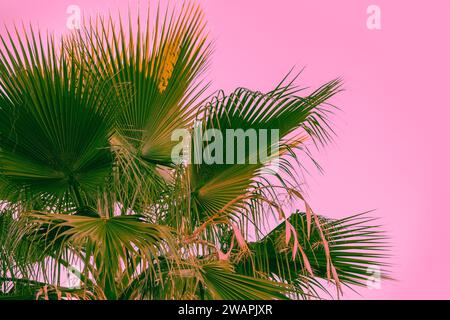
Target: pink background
(392, 150)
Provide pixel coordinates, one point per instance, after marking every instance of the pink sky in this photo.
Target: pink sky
(392, 149)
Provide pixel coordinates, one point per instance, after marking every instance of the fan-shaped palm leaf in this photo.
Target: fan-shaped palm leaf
(160, 64)
(55, 122)
(221, 186)
(88, 184)
(107, 246)
(357, 249)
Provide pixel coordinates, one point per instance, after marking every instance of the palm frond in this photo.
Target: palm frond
(227, 186)
(108, 247)
(356, 249)
(160, 64)
(222, 283)
(55, 121)
(90, 187)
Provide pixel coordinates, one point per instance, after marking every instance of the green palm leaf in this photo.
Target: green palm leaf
(160, 64)
(357, 249)
(89, 186)
(222, 283)
(110, 242)
(55, 121)
(225, 187)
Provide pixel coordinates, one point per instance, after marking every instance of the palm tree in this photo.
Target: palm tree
(91, 190)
